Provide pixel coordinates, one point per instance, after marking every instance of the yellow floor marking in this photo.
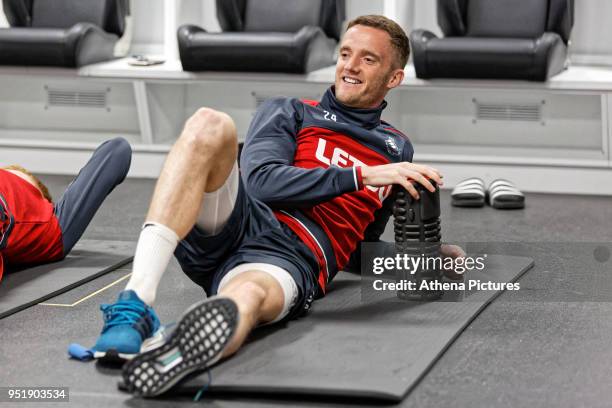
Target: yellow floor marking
(88, 296)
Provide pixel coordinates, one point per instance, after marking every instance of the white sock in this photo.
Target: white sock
(155, 247)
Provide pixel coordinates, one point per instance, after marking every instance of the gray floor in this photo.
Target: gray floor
(526, 349)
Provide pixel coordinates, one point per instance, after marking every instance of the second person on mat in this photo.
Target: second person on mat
(265, 240)
(35, 230)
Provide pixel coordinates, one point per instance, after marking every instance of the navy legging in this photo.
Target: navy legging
(103, 172)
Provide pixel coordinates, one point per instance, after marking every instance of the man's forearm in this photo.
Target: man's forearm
(288, 186)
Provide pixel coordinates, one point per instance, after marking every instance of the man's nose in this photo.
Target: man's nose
(352, 64)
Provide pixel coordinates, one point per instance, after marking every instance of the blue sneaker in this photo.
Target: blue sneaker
(127, 323)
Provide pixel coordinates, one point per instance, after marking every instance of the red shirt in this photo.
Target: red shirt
(36, 236)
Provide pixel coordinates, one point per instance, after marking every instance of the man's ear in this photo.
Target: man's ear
(396, 78)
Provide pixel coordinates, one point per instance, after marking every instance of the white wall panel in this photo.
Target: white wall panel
(202, 13)
(425, 16)
(356, 8)
(208, 19)
(148, 34)
(592, 30)
(152, 20)
(3, 22)
(401, 11)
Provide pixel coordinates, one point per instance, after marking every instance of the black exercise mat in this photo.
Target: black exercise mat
(88, 260)
(353, 348)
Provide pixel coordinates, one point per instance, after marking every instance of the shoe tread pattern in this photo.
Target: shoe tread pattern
(200, 337)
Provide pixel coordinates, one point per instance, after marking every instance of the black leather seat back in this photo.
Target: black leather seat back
(561, 18)
(18, 12)
(281, 15)
(506, 18)
(452, 16)
(265, 15)
(106, 14)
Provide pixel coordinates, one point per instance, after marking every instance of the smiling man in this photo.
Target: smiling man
(266, 240)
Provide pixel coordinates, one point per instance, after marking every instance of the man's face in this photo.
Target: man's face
(366, 70)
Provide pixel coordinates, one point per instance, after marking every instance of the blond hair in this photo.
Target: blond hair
(43, 189)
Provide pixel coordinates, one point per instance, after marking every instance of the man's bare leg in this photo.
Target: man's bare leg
(209, 331)
(200, 161)
(259, 298)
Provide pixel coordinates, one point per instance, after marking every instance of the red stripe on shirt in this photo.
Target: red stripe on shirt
(310, 242)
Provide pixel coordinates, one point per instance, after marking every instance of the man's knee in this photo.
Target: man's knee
(119, 153)
(256, 286)
(211, 131)
(251, 287)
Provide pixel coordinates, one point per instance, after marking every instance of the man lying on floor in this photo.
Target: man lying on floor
(33, 229)
(266, 240)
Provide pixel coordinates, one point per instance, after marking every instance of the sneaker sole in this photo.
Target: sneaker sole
(112, 356)
(197, 343)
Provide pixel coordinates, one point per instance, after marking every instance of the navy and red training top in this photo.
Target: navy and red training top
(303, 159)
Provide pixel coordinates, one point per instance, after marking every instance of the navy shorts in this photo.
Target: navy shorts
(252, 234)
